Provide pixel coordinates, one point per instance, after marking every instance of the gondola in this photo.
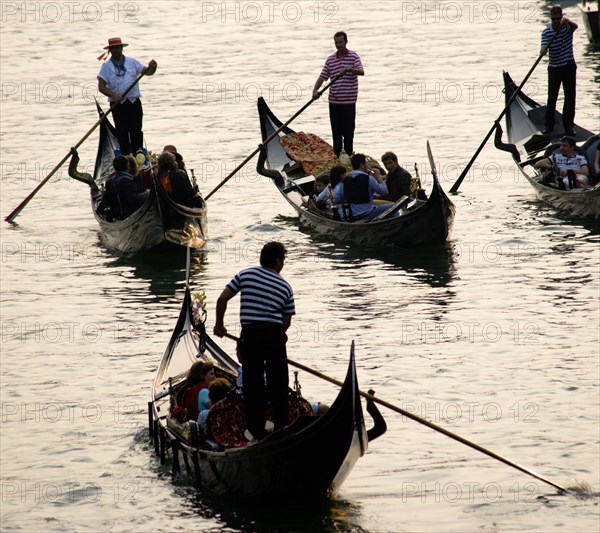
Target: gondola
(158, 220)
(591, 20)
(420, 222)
(527, 145)
(309, 459)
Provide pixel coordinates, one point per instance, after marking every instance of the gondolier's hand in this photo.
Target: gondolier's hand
(316, 94)
(543, 51)
(151, 68)
(219, 330)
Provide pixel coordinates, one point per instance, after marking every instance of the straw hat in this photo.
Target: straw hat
(115, 41)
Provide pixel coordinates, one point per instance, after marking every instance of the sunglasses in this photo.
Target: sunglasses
(558, 19)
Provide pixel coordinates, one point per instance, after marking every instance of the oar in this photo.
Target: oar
(270, 138)
(429, 424)
(22, 205)
(460, 179)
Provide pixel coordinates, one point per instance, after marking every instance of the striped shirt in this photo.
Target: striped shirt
(344, 90)
(561, 49)
(265, 296)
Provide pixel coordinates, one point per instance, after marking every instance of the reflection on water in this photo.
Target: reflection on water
(433, 264)
(328, 515)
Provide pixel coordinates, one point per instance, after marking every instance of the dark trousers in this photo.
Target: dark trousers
(262, 350)
(128, 123)
(342, 118)
(566, 76)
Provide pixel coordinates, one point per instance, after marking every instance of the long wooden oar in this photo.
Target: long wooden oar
(460, 179)
(270, 138)
(429, 424)
(22, 205)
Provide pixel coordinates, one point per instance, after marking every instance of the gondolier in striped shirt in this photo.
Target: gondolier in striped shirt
(342, 94)
(562, 69)
(266, 309)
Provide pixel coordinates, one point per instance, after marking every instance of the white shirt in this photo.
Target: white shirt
(119, 81)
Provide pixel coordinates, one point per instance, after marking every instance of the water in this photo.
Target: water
(493, 335)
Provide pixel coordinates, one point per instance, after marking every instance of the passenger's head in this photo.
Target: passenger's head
(201, 372)
(321, 182)
(273, 255)
(390, 161)
(166, 161)
(337, 174)
(132, 166)
(120, 163)
(567, 144)
(358, 160)
(218, 390)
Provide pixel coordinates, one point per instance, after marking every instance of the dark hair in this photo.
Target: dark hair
(167, 161)
(120, 163)
(389, 155)
(179, 160)
(569, 140)
(198, 371)
(323, 178)
(335, 175)
(357, 160)
(341, 34)
(218, 389)
(270, 253)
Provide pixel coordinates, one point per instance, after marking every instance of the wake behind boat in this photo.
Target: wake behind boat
(420, 222)
(308, 459)
(159, 219)
(527, 145)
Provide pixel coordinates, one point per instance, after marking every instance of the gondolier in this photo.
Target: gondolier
(114, 78)
(342, 94)
(562, 69)
(266, 309)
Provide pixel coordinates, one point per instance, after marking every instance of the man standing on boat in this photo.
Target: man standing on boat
(114, 78)
(342, 94)
(266, 309)
(561, 69)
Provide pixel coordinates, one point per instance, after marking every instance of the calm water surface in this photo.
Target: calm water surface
(493, 335)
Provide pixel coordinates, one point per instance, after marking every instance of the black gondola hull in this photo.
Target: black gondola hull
(429, 222)
(149, 225)
(524, 121)
(308, 459)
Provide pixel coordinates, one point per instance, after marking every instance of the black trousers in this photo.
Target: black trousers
(263, 351)
(564, 76)
(342, 118)
(128, 123)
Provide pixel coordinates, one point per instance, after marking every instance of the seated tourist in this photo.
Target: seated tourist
(355, 194)
(200, 375)
(325, 198)
(175, 182)
(573, 168)
(121, 194)
(134, 170)
(178, 157)
(216, 391)
(398, 179)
